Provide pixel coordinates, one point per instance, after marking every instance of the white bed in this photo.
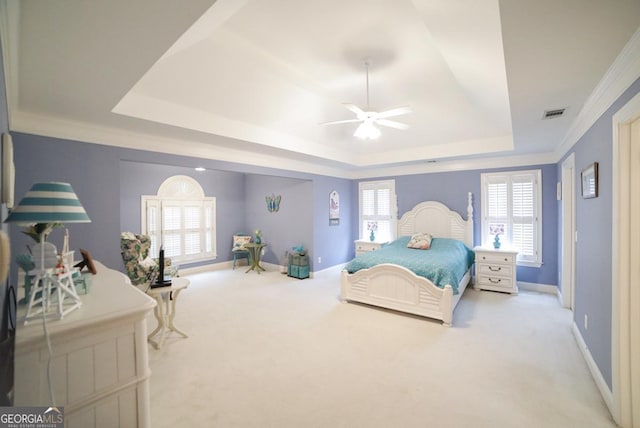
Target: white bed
(396, 287)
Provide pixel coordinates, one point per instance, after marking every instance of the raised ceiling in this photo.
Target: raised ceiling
(252, 80)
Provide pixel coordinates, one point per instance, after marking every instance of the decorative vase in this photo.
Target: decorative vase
(258, 240)
(496, 242)
(372, 237)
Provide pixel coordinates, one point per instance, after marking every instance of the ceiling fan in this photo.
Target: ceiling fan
(368, 118)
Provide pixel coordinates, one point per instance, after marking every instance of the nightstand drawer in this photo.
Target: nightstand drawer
(495, 281)
(367, 246)
(495, 257)
(495, 270)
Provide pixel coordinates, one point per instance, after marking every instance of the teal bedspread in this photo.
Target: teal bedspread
(444, 263)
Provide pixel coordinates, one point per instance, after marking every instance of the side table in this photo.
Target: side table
(255, 252)
(496, 270)
(165, 310)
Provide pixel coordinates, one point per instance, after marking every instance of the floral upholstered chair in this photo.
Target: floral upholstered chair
(140, 268)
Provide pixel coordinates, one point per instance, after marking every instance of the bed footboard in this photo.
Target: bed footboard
(395, 287)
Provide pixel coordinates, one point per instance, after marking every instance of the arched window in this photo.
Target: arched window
(181, 219)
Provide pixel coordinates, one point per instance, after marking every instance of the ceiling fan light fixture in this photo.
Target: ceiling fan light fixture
(367, 131)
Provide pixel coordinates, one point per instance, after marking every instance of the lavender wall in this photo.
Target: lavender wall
(451, 188)
(93, 172)
(291, 225)
(593, 249)
(139, 178)
(110, 180)
(333, 244)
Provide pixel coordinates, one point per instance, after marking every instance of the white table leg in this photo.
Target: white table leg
(158, 313)
(172, 313)
(165, 311)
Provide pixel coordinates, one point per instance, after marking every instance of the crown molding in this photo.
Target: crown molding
(88, 133)
(458, 165)
(621, 74)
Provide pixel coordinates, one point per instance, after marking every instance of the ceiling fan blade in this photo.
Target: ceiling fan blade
(354, 108)
(392, 124)
(341, 121)
(393, 112)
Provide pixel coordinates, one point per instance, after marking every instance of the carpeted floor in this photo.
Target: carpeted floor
(271, 351)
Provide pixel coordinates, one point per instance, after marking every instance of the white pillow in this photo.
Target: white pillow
(420, 241)
(239, 241)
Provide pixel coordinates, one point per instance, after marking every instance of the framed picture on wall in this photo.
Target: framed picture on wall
(334, 208)
(589, 180)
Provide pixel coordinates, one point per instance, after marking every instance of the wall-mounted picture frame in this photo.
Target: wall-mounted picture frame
(589, 181)
(334, 208)
(87, 261)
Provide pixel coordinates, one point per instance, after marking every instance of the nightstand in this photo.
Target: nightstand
(496, 270)
(363, 246)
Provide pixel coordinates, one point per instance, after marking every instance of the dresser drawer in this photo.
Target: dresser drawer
(495, 257)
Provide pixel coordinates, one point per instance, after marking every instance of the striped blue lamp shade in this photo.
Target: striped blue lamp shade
(49, 203)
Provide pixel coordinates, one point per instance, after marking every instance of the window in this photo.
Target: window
(378, 205)
(181, 219)
(512, 205)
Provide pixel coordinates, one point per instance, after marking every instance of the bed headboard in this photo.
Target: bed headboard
(438, 220)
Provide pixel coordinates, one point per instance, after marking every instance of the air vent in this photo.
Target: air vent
(552, 114)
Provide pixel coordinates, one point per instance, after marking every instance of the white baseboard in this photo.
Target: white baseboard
(271, 267)
(206, 268)
(540, 288)
(606, 393)
(331, 270)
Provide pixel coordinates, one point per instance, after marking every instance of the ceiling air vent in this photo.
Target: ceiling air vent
(552, 114)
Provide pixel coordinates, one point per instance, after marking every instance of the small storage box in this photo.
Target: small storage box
(298, 266)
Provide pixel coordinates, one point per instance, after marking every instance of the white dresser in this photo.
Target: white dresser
(496, 270)
(100, 366)
(363, 246)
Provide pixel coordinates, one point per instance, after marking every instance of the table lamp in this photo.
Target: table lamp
(50, 203)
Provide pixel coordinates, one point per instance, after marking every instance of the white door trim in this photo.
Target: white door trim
(624, 335)
(568, 241)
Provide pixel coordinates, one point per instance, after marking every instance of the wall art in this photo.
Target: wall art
(334, 208)
(589, 179)
(273, 203)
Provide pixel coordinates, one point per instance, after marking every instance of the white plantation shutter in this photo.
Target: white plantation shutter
(523, 216)
(514, 199)
(181, 219)
(378, 204)
(152, 220)
(497, 197)
(171, 229)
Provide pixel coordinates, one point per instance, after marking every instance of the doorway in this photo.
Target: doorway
(625, 328)
(568, 195)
